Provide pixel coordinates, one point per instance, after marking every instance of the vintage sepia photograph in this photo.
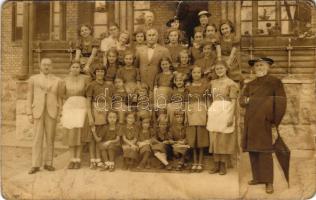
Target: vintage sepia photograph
(158, 99)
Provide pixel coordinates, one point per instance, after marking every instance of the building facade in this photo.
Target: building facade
(283, 30)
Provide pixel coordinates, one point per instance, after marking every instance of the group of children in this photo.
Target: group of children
(124, 114)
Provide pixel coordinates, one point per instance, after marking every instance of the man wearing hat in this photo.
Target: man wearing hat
(265, 102)
(203, 18)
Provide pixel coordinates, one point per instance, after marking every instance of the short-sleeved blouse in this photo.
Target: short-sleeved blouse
(129, 74)
(227, 45)
(142, 136)
(86, 45)
(164, 80)
(224, 89)
(197, 92)
(99, 91)
(74, 86)
(110, 134)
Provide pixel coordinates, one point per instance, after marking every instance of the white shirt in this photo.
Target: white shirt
(150, 52)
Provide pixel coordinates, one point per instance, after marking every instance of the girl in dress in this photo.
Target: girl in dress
(160, 144)
(173, 45)
(139, 39)
(229, 46)
(196, 45)
(129, 73)
(144, 102)
(197, 134)
(99, 96)
(177, 97)
(129, 139)
(163, 84)
(184, 66)
(119, 99)
(178, 138)
(122, 46)
(86, 48)
(109, 141)
(221, 118)
(209, 57)
(111, 65)
(211, 34)
(144, 137)
(77, 129)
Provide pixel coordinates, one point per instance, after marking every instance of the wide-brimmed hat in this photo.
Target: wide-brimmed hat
(171, 21)
(204, 12)
(252, 62)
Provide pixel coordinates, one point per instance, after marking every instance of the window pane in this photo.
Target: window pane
(266, 13)
(266, 3)
(56, 6)
(246, 28)
(265, 27)
(100, 6)
(289, 2)
(246, 13)
(138, 5)
(100, 18)
(56, 19)
(19, 21)
(285, 27)
(98, 30)
(284, 13)
(56, 34)
(246, 3)
(19, 7)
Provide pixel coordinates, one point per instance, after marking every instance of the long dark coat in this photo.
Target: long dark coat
(266, 107)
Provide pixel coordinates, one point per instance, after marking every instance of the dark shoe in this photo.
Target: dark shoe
(49, 168)
(77, 165)
(34, 170)
(71, 165)
(269, 188)
(222, 168)
(215, 169)
(253, 182)
(199, 168)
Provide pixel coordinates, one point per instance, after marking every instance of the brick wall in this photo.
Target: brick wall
(11, 62)
(72, 20)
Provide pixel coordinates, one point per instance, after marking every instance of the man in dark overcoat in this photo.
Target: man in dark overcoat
(265, 102)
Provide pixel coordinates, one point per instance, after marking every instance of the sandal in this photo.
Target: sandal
(199, 168)
(93, 165)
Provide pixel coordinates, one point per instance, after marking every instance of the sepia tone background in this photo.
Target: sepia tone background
(282, 30)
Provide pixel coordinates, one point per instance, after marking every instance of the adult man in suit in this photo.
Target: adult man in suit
(265, 102)
(43, 107)
(148, 57)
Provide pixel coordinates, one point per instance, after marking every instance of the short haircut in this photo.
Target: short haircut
(85, 25)
(230, 24)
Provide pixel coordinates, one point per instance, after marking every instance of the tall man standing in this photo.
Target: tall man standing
(265, 102)
(148, 57)
(43, 106)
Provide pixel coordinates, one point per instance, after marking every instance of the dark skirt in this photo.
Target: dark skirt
(197, 136)
(129, 152)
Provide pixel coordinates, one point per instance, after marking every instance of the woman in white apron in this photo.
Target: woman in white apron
(74, 114)
(221, 118)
